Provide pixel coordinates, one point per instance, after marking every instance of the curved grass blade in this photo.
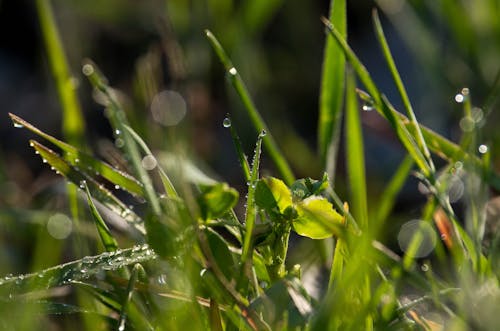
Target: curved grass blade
(78, 158)
(332, 88)
(79, 179)
(259, 124)
(119, 122)
(355, 154)
(167, 183)
(76, 271)
(107, 238)
(128, 298)
(402, 91)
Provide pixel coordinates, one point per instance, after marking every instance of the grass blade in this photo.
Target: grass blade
(80, 159)
(399, 84)
(80, 179)
(107, 238)
(251, 212)
(77, 270)
(73, 125)
(128, 298)
(239, 150)
(355, 154)
(259, 124)
(332, 88)
(167, 183)
(119, 122)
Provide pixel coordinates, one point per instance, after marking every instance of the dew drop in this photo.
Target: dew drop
(263, 133)
(482, 149)
(425, 267)
(44, 160)
(117, 187)
(367, 107)
(459, 98)
(82, 184)
(149, 162)
(202, 272)
(117, 132)
(465, 91)
(32, 144)
(77, 160)
(87, 69)
(233, 71)
(18, 125)
(226, 122)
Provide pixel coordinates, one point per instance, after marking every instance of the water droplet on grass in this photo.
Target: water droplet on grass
(425, 267)
(263, 133)
(367, 107)
(18, 125)
(226, 122)
(467, 124)
(459, 98)
(149, 162)
(117, 187)
(233, 71)
(87, 69)
(117, 132)
(483, 149)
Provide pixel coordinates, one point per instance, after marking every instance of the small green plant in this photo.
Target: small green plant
(193, 259)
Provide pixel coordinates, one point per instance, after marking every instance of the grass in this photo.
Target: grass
(189, 254)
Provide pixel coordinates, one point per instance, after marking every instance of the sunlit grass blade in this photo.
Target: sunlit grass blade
(355, 155)
(388, 197)
(78, 270)
(381, 103)
(251, 212)
(98, 191)
(167, 183)
(332, 88)
(107, 238)
(215, 317)
(73, 125)
(257, 121)
(85, 161)
(119, 122)
(400, 86)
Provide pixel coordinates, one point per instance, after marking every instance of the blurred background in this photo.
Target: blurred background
(155, 54)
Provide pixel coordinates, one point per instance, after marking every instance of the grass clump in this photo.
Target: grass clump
(193, 252)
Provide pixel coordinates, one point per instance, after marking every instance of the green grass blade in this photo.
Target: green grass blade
(332, 88)
(399, 84)
(251, 212)
(128, 298)
(79, 179)
(167, 183)
(73, 125)
(259, 124)
(119, 122)
(355, 155)
(85, 161)
(75, 271)
(388, 197)
(107, 238)
(381, 103)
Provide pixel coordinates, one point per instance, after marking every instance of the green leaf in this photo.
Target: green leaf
(332, 87)
(97, 190)
(317, 219)
(216, 200)
(271, 194)
(221, 253)
(85, 162)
